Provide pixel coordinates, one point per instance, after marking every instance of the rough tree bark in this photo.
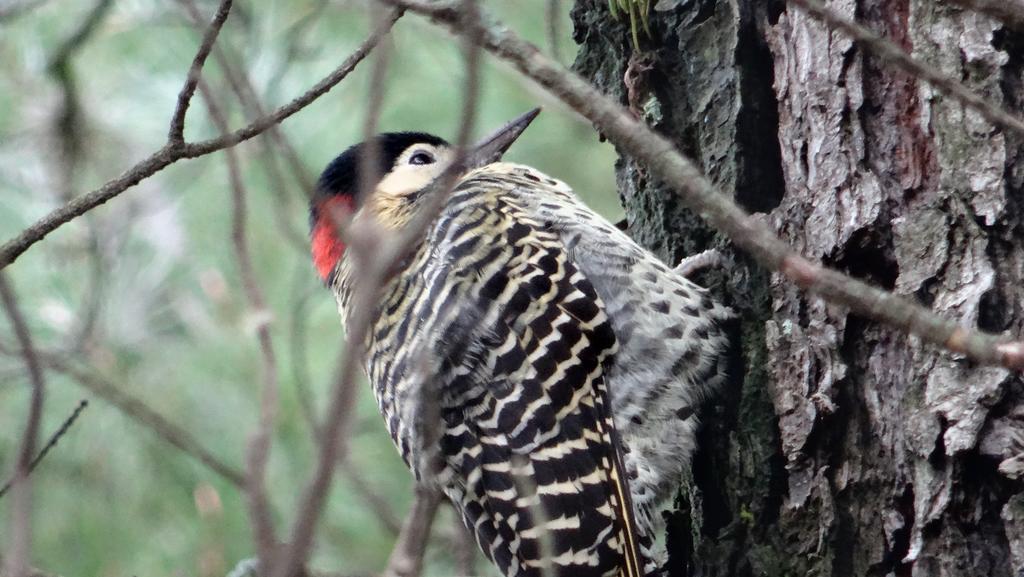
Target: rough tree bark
(842, 448)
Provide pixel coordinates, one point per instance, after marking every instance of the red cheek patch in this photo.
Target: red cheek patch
(325, 245)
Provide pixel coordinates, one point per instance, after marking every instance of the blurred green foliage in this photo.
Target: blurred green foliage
(172, 328)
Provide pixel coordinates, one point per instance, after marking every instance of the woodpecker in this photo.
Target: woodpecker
(528, 357)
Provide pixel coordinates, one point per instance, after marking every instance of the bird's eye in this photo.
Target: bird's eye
(421, 158)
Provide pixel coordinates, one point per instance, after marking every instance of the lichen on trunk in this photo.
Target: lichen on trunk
(841, 447)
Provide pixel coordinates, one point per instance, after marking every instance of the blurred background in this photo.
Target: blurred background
(143, 294)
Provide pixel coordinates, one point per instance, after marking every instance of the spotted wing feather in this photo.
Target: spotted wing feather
(672, 343)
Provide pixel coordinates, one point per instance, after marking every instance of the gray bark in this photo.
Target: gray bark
(841, 447)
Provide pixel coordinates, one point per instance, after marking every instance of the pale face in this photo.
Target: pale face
(414, 169)
(393, 201)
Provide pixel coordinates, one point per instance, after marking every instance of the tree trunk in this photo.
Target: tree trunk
(842, 447)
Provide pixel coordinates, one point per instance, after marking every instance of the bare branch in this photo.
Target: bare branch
(471, 86)
(406, 558)
(138, 411)
(54, 439)
(170, 154)
(79, 205)
(255, 128)
(1011, 12)
(338, 412)
(368, 165)
(378, 503)
(333, 443)
(343, 397)
(375, 259)
(246, 94)
(894, 55)
(21, 488)
(176, 133)
(259, 443)
(700, 195)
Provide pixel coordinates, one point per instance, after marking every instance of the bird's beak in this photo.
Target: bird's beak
(491, 148)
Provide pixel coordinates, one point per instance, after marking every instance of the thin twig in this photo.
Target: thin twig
(169, 154)
(406, 559)
(176, 132)
(1010, 12)
(893, 54)
(259, 444)
(140, 412)
(374, 258)
(378, 503)
(368, 164)
(54, 439)
(471, 51)
(407, 556)
(242, 86)
(338, 412)
(700, 195)
(21, 485)
(333, 442)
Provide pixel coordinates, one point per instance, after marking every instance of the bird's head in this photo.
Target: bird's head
(405, 164)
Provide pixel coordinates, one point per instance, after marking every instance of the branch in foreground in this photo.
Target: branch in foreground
(300, 374)
(273, 141)
(334, 442)
(21, 488)
(375, 258)
(171, 153)
(894, 55)
(259, 442)
(338, 412)
(54, 439)
(406, 558)
(700, 195)
(1010, 12)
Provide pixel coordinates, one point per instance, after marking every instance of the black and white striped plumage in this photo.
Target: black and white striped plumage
(532, 360)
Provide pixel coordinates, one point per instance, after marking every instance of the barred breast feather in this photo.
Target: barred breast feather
(545, 371)
(493, 324)
(672, 346)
